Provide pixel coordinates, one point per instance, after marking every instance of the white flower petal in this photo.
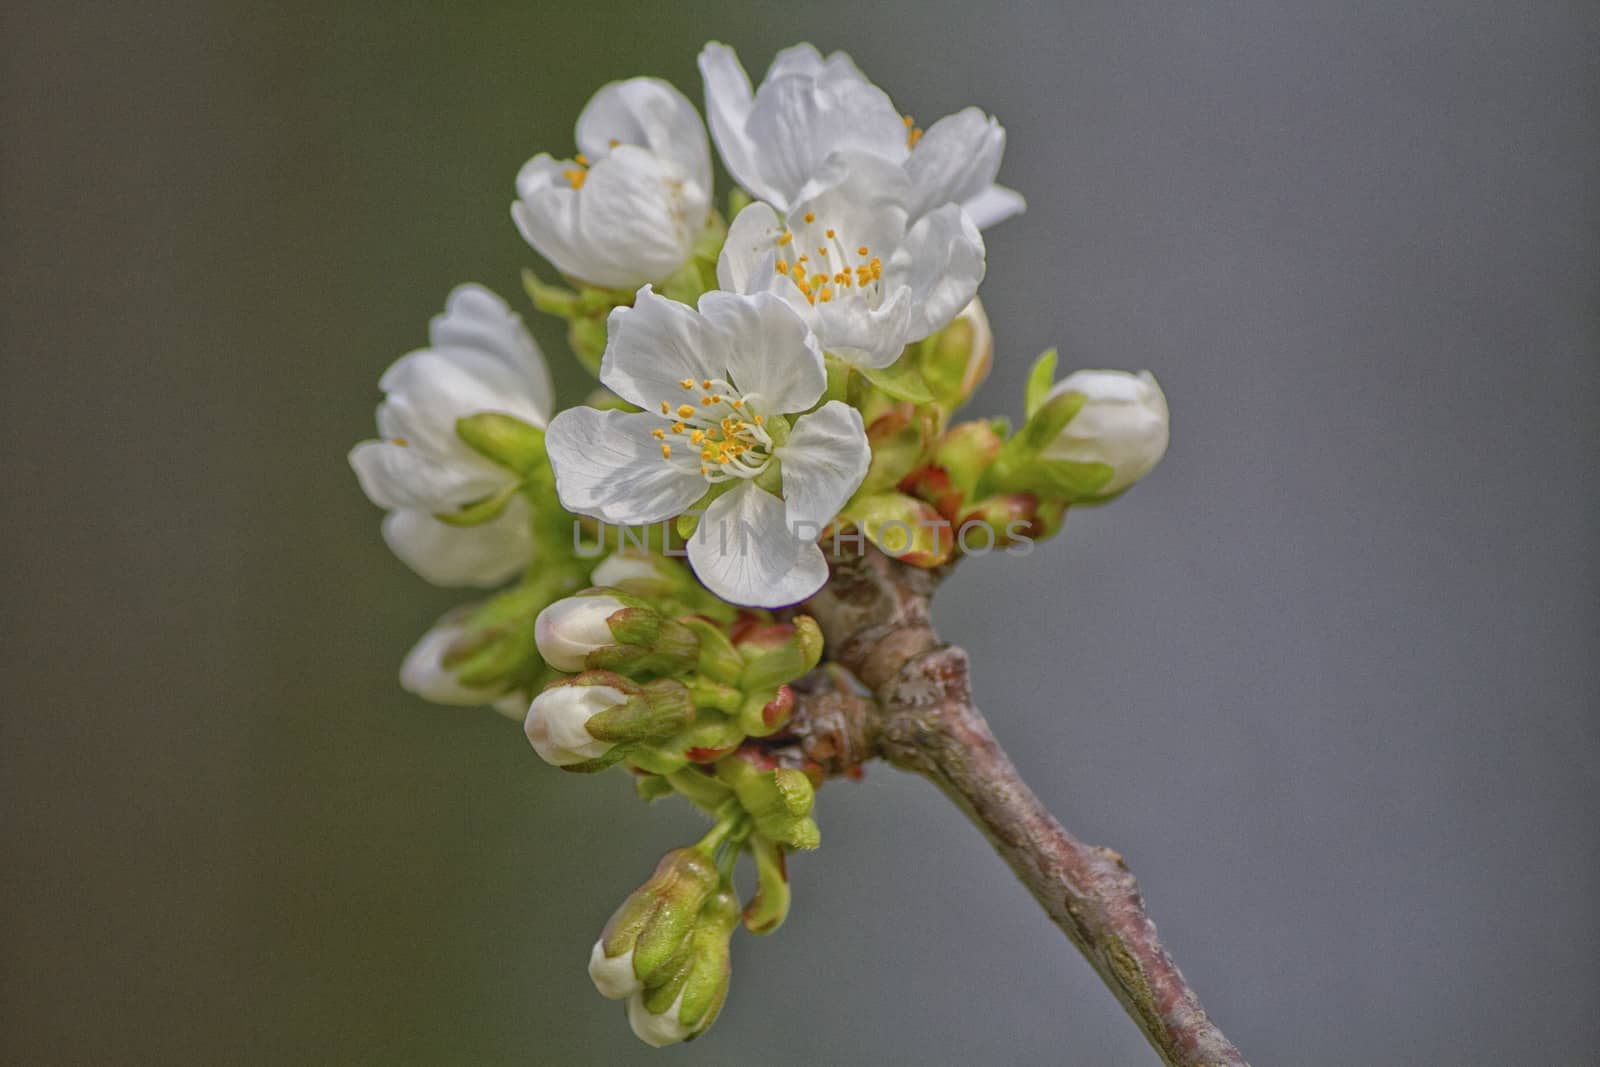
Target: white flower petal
(423, 672)
(769, 354)
(397, 475)
(729, 98)
(955, 160)
(451, 556)
(942, 261)
(428, 390)
(744, 552)
(475, 318)
(748, 254)
(870, 337)
(633, 221)
(648, 113)
(652, 346)
(657, 1031)
(608, 466)
(994, 204)
(824, 461)
(798, 120)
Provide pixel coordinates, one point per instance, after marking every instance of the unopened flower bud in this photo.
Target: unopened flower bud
(475, 654)
(571, 628)
(899, 440)
(956, 360)
(911, 530)
(645, 933)
(1122, 424)
(558, 718)
(778, 652)
(685, 998)
(609, 629)
(778, 801)
(579, 719)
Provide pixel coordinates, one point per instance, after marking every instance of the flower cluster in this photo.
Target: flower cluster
(776, 385)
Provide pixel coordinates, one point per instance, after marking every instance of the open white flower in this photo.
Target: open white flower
(775, 139)
(481, 358)
(844, 258)
(627, 208)
(715, 385)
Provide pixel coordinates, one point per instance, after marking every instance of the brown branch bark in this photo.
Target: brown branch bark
(893, 690)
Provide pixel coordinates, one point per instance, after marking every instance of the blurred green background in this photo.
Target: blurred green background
(1328, 679)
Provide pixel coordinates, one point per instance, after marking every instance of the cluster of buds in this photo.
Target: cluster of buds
(934, 492)
(681, 698)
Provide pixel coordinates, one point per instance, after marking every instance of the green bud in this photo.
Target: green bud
(654, 711)
(646, 932)
(778, 801)
(956, 360)
(778, 652)
(966, 452)
(687, 995)
(910, 530)
(763, 713)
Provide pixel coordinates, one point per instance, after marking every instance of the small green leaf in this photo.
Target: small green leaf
(1069, 479)
(1040, 379)
(1050, 417)
(900, 380)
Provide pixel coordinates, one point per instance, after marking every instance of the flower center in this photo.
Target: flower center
(825, 267)
(712, 426)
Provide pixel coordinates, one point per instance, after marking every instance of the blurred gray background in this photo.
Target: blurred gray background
(1328, 678)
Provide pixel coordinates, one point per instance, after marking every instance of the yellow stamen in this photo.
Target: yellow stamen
(575, 176)
(685, 411)
(665, 408)
(830, 235)
(862, 250)
(687, 383)
(811, 216)
(786, 238)
(659, 434)
(581, 159)
(666, 451)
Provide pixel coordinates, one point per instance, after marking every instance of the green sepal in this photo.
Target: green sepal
(901, 380)
(551, 299)
(1049, 419)
(1040, 379)
(765, 911)
(652, 787)
(662, 708)
(599, 763)
(719, 660)
(1077, 482)
(480, 511)
(503, 439)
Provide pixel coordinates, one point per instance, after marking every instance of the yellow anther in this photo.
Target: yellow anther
(401, 441)
(659, 434)
(575, 176)
(759, 420)
(830, 235)
(786, 238)
(581, 159)
(908, 120)
(685, 411)
(666, 408)
(613, 142)
(826, 295)
(705, 383)
(687, 383)
(677, 427)
(666, 451)
(811, 216)
(782, 266)
(863, 250)
(736, 403)
(697, 437)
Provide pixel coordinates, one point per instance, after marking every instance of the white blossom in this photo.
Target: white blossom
(557, 717)
(481, 359)
(774, 139)
(715, 385)
(571, 628)
(628, 207)
(846, 260)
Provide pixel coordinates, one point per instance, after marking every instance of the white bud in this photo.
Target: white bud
(1123, 423)
(570, 629)
(556, 720)
(657, 1031)
(424, 673)
(613, 975)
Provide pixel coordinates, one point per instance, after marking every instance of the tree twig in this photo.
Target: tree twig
(893, 690)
